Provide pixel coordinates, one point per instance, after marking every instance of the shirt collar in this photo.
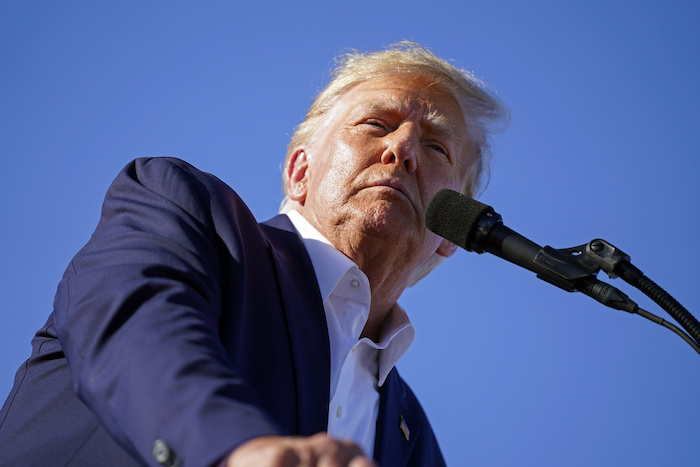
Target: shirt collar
(396, 337)
(330, 266)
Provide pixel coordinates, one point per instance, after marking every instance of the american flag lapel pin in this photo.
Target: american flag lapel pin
(404, 428)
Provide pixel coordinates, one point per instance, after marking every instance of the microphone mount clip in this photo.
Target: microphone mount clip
(563, 267)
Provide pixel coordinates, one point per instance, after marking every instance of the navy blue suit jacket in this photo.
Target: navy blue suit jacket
(184, 320)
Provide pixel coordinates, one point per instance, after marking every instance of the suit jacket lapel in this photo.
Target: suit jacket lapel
(397, 431)
(306, 323)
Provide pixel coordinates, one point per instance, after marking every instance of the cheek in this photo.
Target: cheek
(347, 160)
(332, 179)
(469, 164)
(445, 177)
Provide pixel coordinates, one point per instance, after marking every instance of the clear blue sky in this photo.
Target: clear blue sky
(605, 109)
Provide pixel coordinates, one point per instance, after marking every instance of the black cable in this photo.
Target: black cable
(612, 297)
(635, 277)
(671, 326)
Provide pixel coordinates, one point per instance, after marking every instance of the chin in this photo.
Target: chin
(388, 220)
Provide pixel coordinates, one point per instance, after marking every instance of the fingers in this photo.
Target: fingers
(329, 452)
(319, 450)
(268, 451)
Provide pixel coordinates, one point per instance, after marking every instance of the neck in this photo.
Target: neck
(388, 261)
(387, 270)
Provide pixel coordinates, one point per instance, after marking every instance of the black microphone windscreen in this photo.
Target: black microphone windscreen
(454, 216)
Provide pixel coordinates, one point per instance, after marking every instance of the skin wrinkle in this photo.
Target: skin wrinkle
(433, 121)
(389, 132)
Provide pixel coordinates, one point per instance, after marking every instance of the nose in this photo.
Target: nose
(403, 145)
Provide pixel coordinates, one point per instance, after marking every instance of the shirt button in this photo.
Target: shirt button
(355, 283)
(339, 412)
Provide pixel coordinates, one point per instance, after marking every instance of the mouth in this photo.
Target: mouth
(395, 184)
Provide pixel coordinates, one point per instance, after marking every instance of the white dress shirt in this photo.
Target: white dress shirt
(359, 366)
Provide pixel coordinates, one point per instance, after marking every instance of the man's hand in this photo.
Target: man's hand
(319, 450)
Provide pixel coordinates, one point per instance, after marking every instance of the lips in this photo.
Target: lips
(396, 184)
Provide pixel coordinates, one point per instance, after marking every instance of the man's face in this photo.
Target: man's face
(386, 148)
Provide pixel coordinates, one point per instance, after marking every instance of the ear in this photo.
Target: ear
(297, 176)
(446, 248)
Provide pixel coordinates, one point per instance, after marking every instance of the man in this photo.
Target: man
(185, 333)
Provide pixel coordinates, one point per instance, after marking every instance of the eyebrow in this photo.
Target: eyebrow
(435, 121)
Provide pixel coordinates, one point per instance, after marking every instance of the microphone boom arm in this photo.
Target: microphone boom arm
(575, 269)
(476, 227)
(571, 269)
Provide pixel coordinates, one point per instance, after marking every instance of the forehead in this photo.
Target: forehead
(410, 94)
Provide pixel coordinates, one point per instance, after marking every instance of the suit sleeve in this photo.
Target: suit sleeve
(137, 315)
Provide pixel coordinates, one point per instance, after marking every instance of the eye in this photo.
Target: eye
(375, 123)
(439, 149)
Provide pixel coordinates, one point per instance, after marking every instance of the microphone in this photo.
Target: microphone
(476, 227)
